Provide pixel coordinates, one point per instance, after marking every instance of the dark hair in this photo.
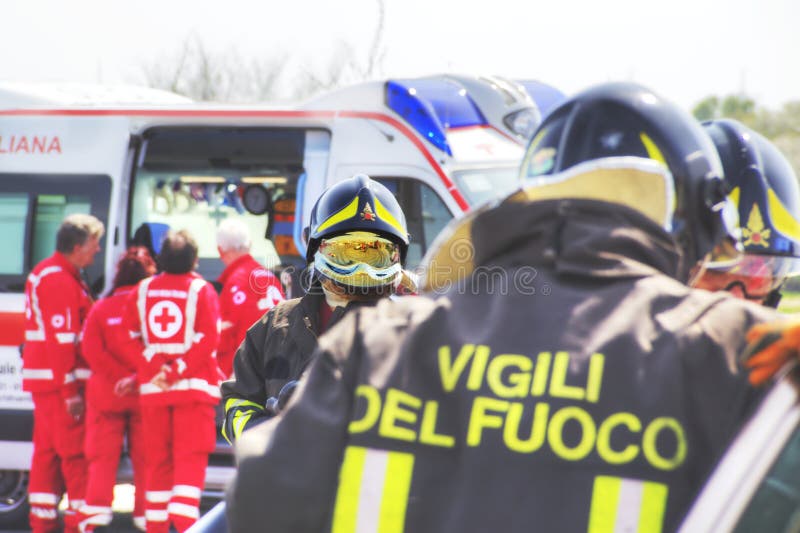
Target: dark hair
(134, 265)
(75, 230)
(178, 252)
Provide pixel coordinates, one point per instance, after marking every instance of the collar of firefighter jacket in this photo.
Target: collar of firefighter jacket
(571, 236)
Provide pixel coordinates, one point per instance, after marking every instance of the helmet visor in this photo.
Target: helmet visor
(359, 259)
(754, 276)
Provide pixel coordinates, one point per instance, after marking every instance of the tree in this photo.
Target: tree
(201, 75)
(706, 109)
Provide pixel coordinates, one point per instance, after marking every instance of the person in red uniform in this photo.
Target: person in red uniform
(56, 302)
(173, 325)
(112, 396)
(248, 289)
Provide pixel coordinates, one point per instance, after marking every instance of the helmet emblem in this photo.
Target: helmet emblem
(755, 233)
(367, 213)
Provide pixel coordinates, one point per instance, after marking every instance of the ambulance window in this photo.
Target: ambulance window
(32, 208)
(426, 214)
(481, 185)
(193, 178)
(13, 218)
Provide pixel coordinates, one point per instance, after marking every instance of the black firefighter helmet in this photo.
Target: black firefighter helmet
(764, 188)
(617, 123)
(360, 232)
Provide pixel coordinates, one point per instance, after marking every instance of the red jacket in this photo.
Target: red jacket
(248, 291)
(101, 342)
(174, 319)
(56, 303)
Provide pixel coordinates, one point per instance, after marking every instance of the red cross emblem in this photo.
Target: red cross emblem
(165, 319)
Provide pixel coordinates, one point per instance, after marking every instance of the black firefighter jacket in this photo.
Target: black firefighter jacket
(570, 384)
(276, 350)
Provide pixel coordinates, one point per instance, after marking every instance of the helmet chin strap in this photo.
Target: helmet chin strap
(337, 295)
(333, 299)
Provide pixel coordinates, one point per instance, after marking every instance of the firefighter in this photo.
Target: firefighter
(765, 189)
(112, 396)
(56, 302)
(173, 320)
(248, 290)
(357, 242)
(565, 378)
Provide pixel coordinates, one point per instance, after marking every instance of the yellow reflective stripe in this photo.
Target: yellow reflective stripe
(603, 513)
(239, 421)
(654, 503)
(782, 219)
(652, 149)
(349, 211)
(232, 403)
(734, 196)
(346, 509)
(395, 492)
(620, 504)
(387, 217)
(373, 491)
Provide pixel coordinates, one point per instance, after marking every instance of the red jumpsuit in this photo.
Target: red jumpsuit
(56, 303)
(109, 418)
(248, 291)
(173, 319)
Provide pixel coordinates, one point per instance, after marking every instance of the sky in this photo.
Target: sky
(684, 49)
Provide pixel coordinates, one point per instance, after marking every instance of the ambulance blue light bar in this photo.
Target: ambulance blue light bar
(432, 106)
(545, 96)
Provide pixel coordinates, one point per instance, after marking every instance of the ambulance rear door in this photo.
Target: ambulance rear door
(51, 165)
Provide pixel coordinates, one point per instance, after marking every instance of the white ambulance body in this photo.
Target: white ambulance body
(439, 143)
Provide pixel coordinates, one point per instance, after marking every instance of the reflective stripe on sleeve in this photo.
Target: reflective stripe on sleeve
(233, 403)
(37, 373)
(69, 377)
(621, 504)
(83, 373)
(240, 420)
(373, 491)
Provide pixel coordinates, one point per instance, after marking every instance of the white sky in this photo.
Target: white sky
(684, 49)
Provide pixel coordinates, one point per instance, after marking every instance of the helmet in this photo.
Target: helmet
(624, 125)
(357, 235)
(765, 190)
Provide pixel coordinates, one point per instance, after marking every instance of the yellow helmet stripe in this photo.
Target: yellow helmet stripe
(652, 149)
(734, 196)
(385, 215)
(782, 219)
(347, 212)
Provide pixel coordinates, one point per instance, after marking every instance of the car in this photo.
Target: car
(756, 484)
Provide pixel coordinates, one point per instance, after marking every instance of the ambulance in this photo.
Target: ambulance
(144, 161)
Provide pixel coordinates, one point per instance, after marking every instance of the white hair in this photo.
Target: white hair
(233, 235)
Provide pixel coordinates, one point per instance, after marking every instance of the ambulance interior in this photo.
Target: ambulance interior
(193, 178)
